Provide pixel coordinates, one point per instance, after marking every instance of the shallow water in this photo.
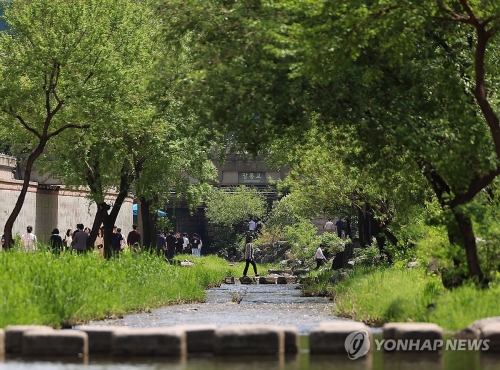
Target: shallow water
(261, 304)
(278, 304)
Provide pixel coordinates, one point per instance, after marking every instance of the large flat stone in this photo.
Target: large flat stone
(329, 337)
(249, 340)
(491, 331)
(199, 338)
(100, 337)
(48, 342)
(418, 331)
(14, 336)
(168, 341)
(292, 339)
(268, 279)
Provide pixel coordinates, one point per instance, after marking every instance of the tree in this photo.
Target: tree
(61, 70)
(413, 81)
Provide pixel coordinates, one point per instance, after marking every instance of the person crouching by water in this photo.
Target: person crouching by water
(249, 256)
(320, 257)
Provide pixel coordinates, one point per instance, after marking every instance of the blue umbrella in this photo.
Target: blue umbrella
(134, 211)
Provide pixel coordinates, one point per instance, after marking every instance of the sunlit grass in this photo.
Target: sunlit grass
(380, 295)
(42, 288)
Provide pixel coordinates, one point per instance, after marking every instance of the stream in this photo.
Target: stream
(259, 304)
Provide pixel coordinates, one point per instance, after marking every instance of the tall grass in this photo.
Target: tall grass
(380, 295)
(42, 288)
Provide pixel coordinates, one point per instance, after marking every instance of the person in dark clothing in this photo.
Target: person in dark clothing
(196, 245)
(80, 239)
(116, 241)
(171, 244)
(179, 241)
(249, 256)
(56, 242)
(340, 226)
(134, 239)
(161, 244)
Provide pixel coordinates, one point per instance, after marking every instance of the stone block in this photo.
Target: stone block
(100, 337)
(248, 280)
(330, 336)
(267, 280)
(229, 280)
(249, 340)
(281, 280)
(199, 338)
(291, 279)
(292, 340)
(168, 341)
(491, 332)
(14, 336)
(418, 331)
(49, 342)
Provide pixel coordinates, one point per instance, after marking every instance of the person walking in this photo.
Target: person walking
(134, 239)
(320, 257)
(80, 239)
(29, 240)
(56, 242)
(249, 256)
(339, 225)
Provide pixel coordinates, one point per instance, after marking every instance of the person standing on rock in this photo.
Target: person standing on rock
(249, 256)
(320, 257)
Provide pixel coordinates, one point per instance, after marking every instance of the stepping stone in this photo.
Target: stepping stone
(168, 341)
(292, 340)
(330, 336)
(199, 338)
(281, 280)
(14, 336)
(413, 331)
(249, 340)
(100, 337)
(49, 342)
(267, 280)
(229, 280)
(491, 332)
(248, 280)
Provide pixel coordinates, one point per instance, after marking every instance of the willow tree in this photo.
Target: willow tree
(61, 70)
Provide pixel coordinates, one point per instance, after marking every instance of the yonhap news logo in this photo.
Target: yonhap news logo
(357, 344)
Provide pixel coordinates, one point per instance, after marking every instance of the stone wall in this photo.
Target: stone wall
(48, 206)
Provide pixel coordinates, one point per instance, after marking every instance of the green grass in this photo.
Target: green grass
(41, 288)
(379, 295)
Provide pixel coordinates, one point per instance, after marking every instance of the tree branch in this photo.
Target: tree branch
(61, 129)
(11, 113)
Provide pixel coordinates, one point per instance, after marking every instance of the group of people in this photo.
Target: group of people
(78, 240)
(171, 244)
(338, 226)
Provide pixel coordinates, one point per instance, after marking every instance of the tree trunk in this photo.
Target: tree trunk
(469, 240)
(147, 227)
(9, 224)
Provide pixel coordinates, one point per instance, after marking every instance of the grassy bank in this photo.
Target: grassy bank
(380, 295)
(42, 288)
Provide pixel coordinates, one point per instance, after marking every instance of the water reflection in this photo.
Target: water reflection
(377, 360)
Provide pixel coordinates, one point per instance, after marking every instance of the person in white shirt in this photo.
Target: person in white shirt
(320, 257)
(251, 225)
(29, 240)
(329, 226)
